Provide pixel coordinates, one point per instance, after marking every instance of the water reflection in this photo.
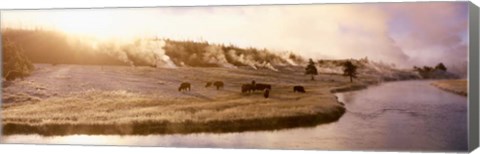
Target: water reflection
(409, 115)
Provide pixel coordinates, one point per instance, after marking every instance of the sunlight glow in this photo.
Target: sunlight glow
(91, 23)
(88, 23)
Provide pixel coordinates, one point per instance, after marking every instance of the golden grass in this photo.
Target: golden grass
(121, 111)
(456, 86)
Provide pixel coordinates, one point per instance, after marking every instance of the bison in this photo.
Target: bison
(208, 84)
(262, 87)
(299, 89)
(185, 86)
(218, 84)
(266, 93)
(246, 88)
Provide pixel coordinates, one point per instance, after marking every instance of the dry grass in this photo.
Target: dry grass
(121, 107)
(455, 86)
(143, 106)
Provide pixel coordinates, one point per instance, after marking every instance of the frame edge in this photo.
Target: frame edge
(473, 78)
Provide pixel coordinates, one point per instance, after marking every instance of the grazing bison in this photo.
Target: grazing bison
(299, 89)
(218, 84)
(262, 87)
(266, 93)
(208, 84)
(247, 88)
(185, 86)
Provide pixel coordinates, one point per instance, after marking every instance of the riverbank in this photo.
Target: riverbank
(72, 99)
(140, 116)
(455, 86)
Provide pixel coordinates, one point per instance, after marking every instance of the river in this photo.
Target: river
(401, 116)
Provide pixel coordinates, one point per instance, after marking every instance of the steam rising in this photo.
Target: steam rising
(140, 52)
(169, 53)
(214, 54)
(152, 50)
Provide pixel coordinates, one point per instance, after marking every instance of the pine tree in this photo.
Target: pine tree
(311, 69)
(350, 70)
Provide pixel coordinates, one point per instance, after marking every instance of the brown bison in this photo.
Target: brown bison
(299, 89)
(185, 86)
(262, 87)
(266, 93)
(208, 84)
(247, 88)
(218, 84)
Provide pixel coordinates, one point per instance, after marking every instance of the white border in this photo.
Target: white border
(51, 149)
(33, 4)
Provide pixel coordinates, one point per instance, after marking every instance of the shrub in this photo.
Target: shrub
(15, 63)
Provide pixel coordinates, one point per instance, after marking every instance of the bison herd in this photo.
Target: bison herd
(245, 88)
(218, 84)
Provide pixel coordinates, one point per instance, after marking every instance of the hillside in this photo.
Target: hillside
(44, 46)
(368, 70)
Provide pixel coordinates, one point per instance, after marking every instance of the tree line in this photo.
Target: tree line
(349, 69)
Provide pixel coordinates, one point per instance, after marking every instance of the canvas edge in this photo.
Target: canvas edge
(230, 5)
(473, 78)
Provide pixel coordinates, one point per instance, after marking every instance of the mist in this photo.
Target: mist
(404, 34)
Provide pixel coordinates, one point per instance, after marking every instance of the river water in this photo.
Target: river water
(401, 116)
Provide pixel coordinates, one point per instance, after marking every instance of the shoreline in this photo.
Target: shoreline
(164, 127)
(458, 87)
(149, 127)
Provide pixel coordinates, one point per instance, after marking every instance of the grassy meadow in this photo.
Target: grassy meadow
(90, 99)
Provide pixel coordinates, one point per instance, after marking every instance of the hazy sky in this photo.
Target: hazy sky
(402, 33)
